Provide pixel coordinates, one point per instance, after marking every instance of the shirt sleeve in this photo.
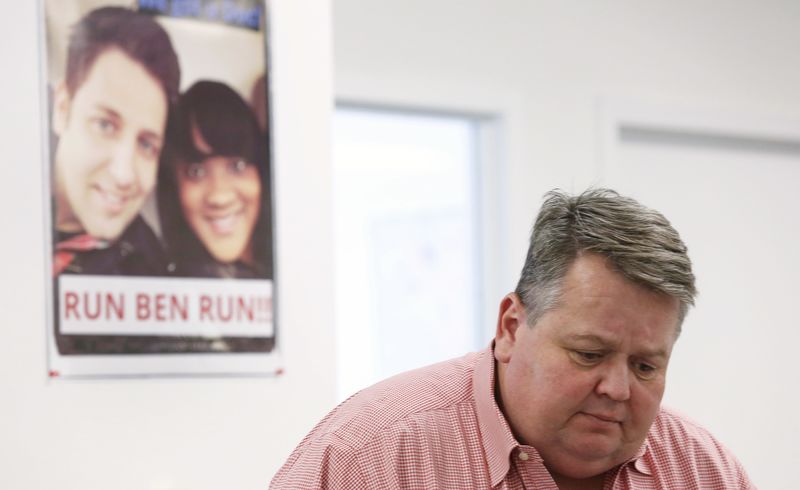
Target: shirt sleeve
(320, 465)
(744, 481)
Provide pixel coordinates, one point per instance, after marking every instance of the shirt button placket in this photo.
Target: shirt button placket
(532, 472)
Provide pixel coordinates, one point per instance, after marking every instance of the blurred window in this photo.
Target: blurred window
(406, 234)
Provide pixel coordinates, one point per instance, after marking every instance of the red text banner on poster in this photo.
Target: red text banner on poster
(110, 305)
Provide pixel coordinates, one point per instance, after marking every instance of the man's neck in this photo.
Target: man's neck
(567, 483)
(61, 235)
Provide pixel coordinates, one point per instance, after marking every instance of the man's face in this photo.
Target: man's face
(584, 384)
(110, 136)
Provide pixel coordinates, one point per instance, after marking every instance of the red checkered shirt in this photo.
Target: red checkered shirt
(440, 427)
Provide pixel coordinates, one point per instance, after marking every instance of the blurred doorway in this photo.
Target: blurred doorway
(407, 241)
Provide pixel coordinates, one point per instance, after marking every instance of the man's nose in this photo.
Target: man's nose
(615, 381)
(122, 166)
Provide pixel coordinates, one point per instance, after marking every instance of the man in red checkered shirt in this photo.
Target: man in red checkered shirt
(568, 396)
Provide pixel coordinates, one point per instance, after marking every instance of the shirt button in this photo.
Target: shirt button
(523, 456)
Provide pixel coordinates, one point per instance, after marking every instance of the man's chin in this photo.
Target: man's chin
(107, 231)
(579, 468)
(584, 459)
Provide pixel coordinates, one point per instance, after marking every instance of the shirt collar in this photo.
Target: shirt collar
(498, 441)
(81, 242)
(639, 462)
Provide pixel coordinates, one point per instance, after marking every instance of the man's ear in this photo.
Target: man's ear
(511, 316)
(61, 105)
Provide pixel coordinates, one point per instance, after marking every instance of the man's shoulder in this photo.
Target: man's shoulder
(141, 237)
(671, 424)
(684, 448)
(369, 433)
(137, 252)
(397, 404)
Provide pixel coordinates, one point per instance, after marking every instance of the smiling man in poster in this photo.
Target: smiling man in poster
(109, 142)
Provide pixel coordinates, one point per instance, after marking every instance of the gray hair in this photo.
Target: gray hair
(637, 241)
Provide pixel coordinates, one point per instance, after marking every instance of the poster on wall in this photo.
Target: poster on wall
(158, 186)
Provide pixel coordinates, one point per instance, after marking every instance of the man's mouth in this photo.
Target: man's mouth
(609, 418)
(112, 201)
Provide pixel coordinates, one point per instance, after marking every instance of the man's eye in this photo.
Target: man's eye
(587, 357)
(149, 149)
(105, 126)
(195, 171)
(644, 370)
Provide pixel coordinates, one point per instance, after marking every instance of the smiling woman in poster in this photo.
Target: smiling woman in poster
(213, 186)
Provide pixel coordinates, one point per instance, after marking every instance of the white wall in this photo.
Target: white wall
(546, 70)
(544, 66)
(169, 433)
